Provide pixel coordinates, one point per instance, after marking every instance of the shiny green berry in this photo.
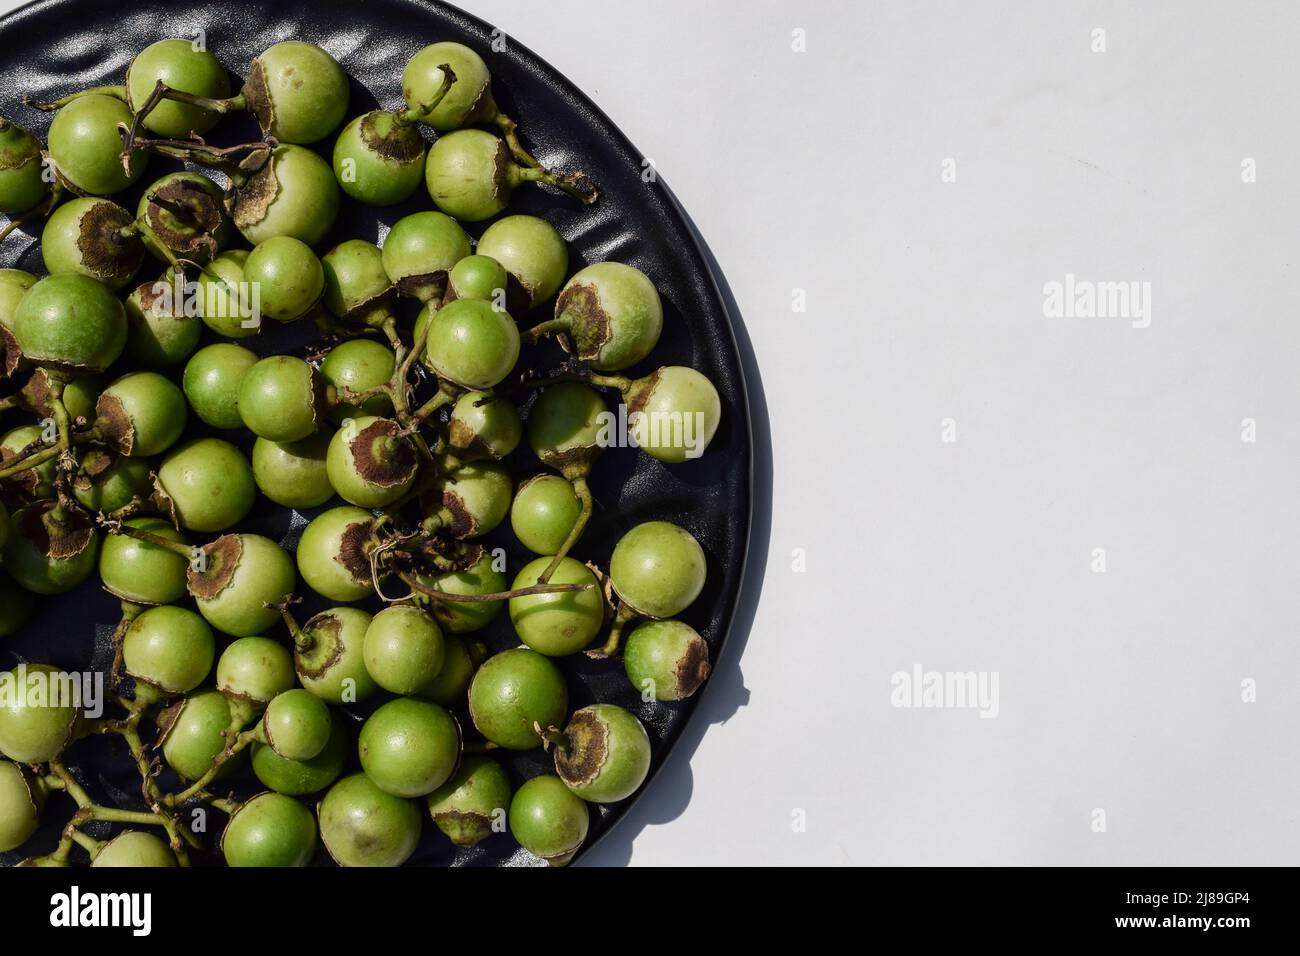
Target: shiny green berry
(296, 724)
(409, 747)
(473, 804)
(404, 649)
(607, 756)
(300, 777)
(544, 512)
(207, 484)
(38, 718)
(293, 473)
(515, 692)
(549, 820)
(168, 651)
(212, 380)
(134, 848)
(666, 660)
(192, 733)
(658, 569)
(361, 825)
(561, 623)
(270, 830)
(142, 572)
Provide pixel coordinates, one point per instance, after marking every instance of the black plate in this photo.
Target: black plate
(49, 49)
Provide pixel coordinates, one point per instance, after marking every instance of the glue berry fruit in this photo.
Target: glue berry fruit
(298, 778)
(469, 344)
(270, 830)
(241, 575)
(419, 252)
(532, 252)
(22, 185)
(293, 473)
(33, 728)
(370, 463)
(92, 237)
(253, 671)
(666, 659)
(409, 747)
(71, 321)
(549, 820)
(606, 756)
(361, 825)
(168, 651)
(658, 569)
(141, 414)
(181, 66)
(609, 315)
(329, 655)
(192, 733)
(513, 693)
(282, 398)
(332, 555)
(404, 649)
(22, 797)
(544, 512)
(359, 365)
(140, 572)
(206, 485)
(211, 383)
(472, 802)
(296, 724)
(134, 848)
(289, 275)
(87, 149)
(561, 623)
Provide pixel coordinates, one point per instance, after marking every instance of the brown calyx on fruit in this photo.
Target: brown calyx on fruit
(38, 390)
(104, 250)
(325, 649)
(381, 457)
(10, 354)
(114, 424)
(464, 827)
(572, 463)
(693, 669)
(588, 749)
(589, 323)
(400, 143)
(249, 201)
(353, 554)
(638, 396)
(426, 286)
(176, 202)
(463, 524)
(57, 533)
(221, 561)
(95, 464)
(258, 97)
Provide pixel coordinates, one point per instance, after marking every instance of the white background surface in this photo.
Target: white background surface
(821, 171)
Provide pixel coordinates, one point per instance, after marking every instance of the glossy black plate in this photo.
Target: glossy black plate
(49, 49)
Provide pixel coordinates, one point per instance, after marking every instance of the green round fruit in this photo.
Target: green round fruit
(270, 830)
(243, 578)
(207, 484)
(296, 724)
(409, 747)
(50, 549)
(71, 321)
(658, 569)
(37, 718)
(297, 778)
(141, 414)
(532, 251)
(87, 149)
(404, 649)
(474, 801)
(370, 463)
(666, 660)
(141, 572)
(544, 512)
(181, 66)
(512, 693)
(192, 733)
(329, 656)
(22, 797)
(359, 365)
(253, 671)
(465, 617)
(168, 651)
(608, 756)
(362, 825)
(212, 380)
(293, 474)
(332, 555)
(548, 820)
(134, 848)
(561, 623)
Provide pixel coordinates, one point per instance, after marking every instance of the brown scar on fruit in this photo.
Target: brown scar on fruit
(393, 148)
(694, 668)
(100, 243)
(249, 202)
(426, 286)
(590, 328)
(114, 424)
(589, 749)
(58, 538)
(571, 462)
(396, 469)
(462, 522)
(352, 551)
(222, 560)
(10, 356)
(198, 204)
(324, 631)
(95, 463)
(258, 97)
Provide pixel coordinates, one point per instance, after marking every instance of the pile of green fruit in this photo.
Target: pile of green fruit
(122, 365)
